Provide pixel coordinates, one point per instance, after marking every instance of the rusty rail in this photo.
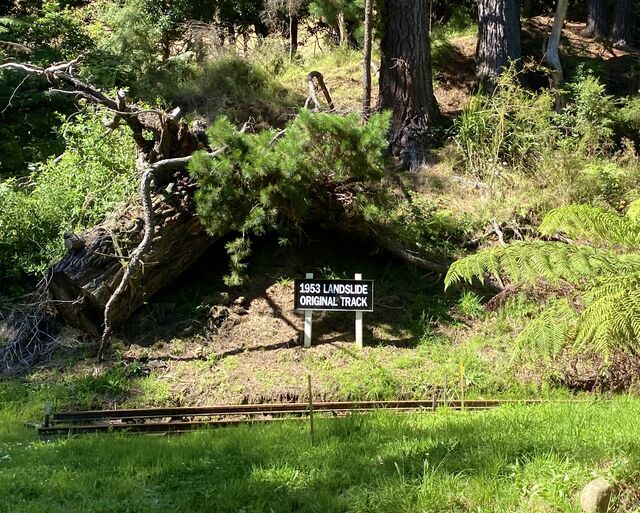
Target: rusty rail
(178, 420)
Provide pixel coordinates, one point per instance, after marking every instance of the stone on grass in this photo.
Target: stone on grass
(594, 498)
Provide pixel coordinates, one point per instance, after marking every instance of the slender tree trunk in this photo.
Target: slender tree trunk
(552, 54)
(624, 24)
(498, 38)
(166, 46)
(366, 63)
(293, 36)
(343, 32)
(597, 19)
(231, 32)
(406, 86)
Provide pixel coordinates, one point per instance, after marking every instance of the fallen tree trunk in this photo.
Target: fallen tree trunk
(85, 279)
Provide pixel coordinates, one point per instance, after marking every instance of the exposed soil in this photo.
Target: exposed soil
(245, 343)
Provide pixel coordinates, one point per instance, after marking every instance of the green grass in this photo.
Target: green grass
(511, 459)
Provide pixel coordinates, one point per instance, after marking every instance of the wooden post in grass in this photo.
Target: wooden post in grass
(359, 316)
(313, 435)
(308, 321)
(446, 384)
(47, 414)
(462, 385)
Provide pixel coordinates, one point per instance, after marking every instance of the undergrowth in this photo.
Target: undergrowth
(91, 178)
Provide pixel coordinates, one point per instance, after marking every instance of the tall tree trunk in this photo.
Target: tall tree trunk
(293, 36)
(498, 38)
(366, 63)
(624, 24)
(597, 19)
(552, 54)
(406, 86)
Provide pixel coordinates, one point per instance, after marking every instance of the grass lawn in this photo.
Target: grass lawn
(510, 459)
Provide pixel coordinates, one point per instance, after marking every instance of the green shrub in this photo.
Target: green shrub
(515, 129)
(590, 117)
(510, 130)
(92, 176)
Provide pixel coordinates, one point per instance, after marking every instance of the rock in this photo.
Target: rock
(217, 298)
(241, 301)
(217, 316)
(594, 498)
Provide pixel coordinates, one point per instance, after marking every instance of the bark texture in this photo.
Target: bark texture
(552, 54)
(366, 62)
(624, 24)
(596, 20)
(86, 278)
(499, 40)
(406, 86)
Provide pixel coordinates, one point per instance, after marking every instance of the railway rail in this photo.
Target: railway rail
(180, 420)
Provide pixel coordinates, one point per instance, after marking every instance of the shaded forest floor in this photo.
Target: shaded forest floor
(203, 343)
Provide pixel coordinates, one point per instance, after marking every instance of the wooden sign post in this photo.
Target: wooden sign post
(359, 319)
(308, 320)
(333, 295)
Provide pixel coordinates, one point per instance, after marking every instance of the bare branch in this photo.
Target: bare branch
(137, 255)
(313, 95)
(13, 94)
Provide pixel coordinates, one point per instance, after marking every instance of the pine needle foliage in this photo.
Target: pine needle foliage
(602, 264)
(275, 182)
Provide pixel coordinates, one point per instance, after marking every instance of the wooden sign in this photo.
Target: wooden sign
(334, 295)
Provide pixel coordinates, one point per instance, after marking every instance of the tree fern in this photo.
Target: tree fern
(605, 276)
(526, 262)
(594, 224)
(613, 320)
(548, 332)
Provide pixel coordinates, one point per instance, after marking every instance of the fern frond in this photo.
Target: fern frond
(594, 224)
(548, 333)
(611, 321)
(526, 262)
(609, 285)
(633, 212)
